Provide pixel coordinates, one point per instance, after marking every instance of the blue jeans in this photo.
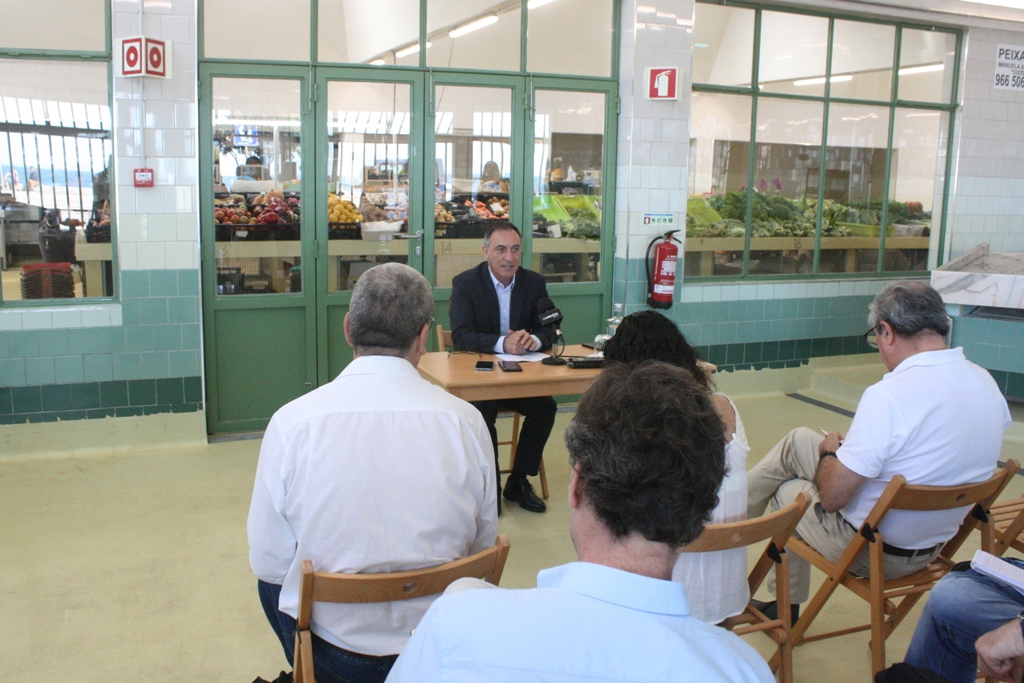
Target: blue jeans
(962, 607)
(331, 664)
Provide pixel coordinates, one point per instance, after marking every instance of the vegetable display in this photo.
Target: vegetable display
(724, 215)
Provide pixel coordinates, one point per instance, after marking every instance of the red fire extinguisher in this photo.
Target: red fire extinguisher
(662, 284)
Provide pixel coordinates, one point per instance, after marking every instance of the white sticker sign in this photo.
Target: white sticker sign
(1009, 67)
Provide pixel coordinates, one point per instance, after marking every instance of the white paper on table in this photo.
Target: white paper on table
(531, 357)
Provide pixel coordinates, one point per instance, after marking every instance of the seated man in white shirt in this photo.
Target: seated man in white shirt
(647, 451)
(936, 418)
(377, 471)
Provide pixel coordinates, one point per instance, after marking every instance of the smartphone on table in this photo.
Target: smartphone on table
(510, 366)
(484, 365)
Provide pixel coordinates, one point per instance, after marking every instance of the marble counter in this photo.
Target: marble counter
(981, 278)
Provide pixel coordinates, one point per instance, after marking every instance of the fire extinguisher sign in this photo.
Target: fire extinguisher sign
(663, 83)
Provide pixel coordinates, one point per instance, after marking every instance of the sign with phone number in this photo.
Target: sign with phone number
(1009, 67)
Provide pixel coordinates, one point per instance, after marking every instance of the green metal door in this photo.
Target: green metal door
(369, 164)
(296, 155)
(256, 240)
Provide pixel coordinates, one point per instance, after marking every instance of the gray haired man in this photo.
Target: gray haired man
(936, 418)
(377, 471)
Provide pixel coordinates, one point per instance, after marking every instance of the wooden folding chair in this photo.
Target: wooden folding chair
(891, 600)
(777, 527)
(1007, 526)
(444, 341)
(362, 588)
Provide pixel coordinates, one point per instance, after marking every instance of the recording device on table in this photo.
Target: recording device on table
(549, 316)
(485, 365)
(510, 366)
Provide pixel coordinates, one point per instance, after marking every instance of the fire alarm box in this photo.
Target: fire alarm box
(143, 177)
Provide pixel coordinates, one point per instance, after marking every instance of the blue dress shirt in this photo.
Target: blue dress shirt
(583, 622)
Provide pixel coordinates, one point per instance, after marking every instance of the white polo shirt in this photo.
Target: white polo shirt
(938, 420)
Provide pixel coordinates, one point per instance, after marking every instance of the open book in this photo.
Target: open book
(999, 569)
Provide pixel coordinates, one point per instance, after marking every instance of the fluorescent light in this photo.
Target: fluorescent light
(911, 70)
(1014, 4)
(818, 81)
(473, 25)
(377, 62)
(534, 4)
(410, 50)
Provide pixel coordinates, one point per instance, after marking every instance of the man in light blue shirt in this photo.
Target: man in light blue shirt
(647, 451)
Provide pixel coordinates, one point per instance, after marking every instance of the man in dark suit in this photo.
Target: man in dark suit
(494, 310)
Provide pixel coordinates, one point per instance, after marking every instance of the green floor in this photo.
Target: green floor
(134, 566)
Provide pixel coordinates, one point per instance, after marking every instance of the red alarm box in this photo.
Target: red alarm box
(143, 177)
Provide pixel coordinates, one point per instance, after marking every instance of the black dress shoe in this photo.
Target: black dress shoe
(771, 609)
(520, 490)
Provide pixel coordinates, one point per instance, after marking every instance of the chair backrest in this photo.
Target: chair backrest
(444, 338)
(899, 495)
(777, 526)
(362, 588)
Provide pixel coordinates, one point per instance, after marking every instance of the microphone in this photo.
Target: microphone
(549, 315)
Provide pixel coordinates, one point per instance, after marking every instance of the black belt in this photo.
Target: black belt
(908, 552)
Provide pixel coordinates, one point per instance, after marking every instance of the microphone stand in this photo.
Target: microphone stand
(556, 358)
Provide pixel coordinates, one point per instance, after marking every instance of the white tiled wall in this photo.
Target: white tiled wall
(988, 197)
(653, 136)
(156, 123)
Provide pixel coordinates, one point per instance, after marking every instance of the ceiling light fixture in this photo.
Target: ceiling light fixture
(927, 68)
(377, 62)
(410, 50)
(1013, 4)
(473, 25)
(818, 81)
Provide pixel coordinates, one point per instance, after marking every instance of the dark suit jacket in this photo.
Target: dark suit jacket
(474, 313)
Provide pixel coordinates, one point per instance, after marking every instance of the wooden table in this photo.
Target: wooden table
(456, 374)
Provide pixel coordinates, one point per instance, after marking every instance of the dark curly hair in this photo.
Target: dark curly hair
(648, 335)
(650, 451)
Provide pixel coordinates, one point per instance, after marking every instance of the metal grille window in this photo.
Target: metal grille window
(819, 144)
(55, 153)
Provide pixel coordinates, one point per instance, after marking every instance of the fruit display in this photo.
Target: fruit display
(341, 210)
(266, 216)
(342, 219)
(442, 215)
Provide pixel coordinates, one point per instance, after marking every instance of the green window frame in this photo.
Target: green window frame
(758, 243)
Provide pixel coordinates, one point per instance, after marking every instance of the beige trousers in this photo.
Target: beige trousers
(786, 471)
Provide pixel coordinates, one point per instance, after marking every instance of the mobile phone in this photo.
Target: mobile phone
(485, 365)
(510, 366)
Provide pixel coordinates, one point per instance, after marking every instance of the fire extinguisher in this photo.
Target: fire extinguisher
(662, 284)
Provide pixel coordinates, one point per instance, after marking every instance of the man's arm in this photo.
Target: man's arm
(272, 542)
(1001, 652)
(466, 333)
(836, 482)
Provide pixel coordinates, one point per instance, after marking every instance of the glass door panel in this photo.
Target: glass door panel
(916, 178)
(784, 197)
(257, 199)
(473, 159)
(568, 162)
(716, 207)
(368, 174)
(854, 188)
